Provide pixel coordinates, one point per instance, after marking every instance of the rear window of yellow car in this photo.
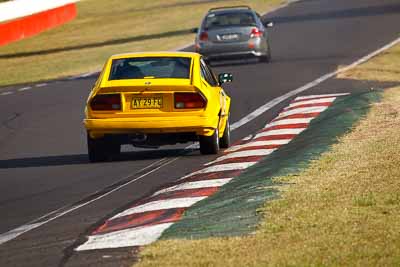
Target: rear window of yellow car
(150, 67)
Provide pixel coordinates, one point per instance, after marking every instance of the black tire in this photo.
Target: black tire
(264, 59)
(209, 144)
(225, 140)
(113, 147)
(96, 149)
(267, 57)
(102, 149)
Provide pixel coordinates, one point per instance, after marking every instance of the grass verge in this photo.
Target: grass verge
(343, 210)
(106, 27)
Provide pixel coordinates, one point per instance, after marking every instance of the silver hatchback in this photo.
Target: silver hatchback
(237, 31)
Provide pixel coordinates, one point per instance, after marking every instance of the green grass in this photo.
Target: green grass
(103, 28)
(344, 210)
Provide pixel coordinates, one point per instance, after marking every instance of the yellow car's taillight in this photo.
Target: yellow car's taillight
(106, 102)
(189, 100)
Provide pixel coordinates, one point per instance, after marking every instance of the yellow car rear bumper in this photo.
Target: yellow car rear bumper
(199, 125)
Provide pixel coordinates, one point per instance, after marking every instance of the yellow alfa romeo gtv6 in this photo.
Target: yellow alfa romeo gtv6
(155, 99)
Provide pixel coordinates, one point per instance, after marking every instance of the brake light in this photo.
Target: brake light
(255, 32)
(106, 102)
(189, 100)
(204, 36)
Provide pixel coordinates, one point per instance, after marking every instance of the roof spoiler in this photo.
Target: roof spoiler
(229, 7)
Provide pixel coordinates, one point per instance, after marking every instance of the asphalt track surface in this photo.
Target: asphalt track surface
(43, 160)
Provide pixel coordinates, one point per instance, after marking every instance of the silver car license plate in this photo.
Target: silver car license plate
(230, 37)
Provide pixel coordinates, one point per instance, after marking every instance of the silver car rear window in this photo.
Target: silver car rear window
(215, 20)
(150, 67)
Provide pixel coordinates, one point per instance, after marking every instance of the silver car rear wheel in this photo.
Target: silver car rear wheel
(267, 57)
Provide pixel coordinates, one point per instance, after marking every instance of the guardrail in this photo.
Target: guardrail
(21, 18)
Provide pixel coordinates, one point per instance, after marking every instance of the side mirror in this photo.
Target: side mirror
(194, 30)
(269, 24)
(225, 78)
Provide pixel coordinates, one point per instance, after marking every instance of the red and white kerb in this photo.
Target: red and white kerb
(144, 222)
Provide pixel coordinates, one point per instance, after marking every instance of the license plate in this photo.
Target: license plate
(152, 102)
(230, 37)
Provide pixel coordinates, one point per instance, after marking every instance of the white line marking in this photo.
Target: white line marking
(195, 145)
(274, 102)
(279, 132)
(195, 185)
(125, 238)
(288, 121)
(41, 85)
(24, 88)
(221, 168)
(34, 224)
(162, 204)
(301, 111)
(249, 137)
(87, 74)
(242, 154)
(17, 231)
(311, 102)
(7, 93)
(260, 144)
(326, 96)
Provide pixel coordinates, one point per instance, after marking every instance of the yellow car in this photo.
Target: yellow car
(154, 99)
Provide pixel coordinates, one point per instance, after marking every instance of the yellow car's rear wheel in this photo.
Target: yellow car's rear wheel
(225, 140)
(102, 149)
(209, 144)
